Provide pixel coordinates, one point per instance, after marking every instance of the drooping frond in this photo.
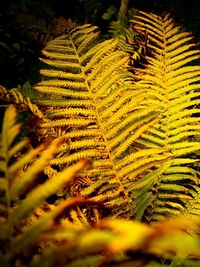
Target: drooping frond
(94, 103)
(170, 81)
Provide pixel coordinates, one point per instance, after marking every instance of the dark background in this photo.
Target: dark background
(26, 25)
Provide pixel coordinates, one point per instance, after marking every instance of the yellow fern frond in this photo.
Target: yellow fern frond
(172, 82)
(109, 117)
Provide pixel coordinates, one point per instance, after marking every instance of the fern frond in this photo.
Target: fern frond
(103, 115)
(42, 192)
(173, 85)
(108, 117)
(63, 103)
(17, 97)
(62, 74)
(29, 176)
(63, 84)
(82, 154)
(10, 130)
(67, 123)
(24, 219)
(12, 96)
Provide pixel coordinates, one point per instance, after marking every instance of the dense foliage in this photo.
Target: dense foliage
(105, 169)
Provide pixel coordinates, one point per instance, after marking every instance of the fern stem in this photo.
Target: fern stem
(123, 11)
